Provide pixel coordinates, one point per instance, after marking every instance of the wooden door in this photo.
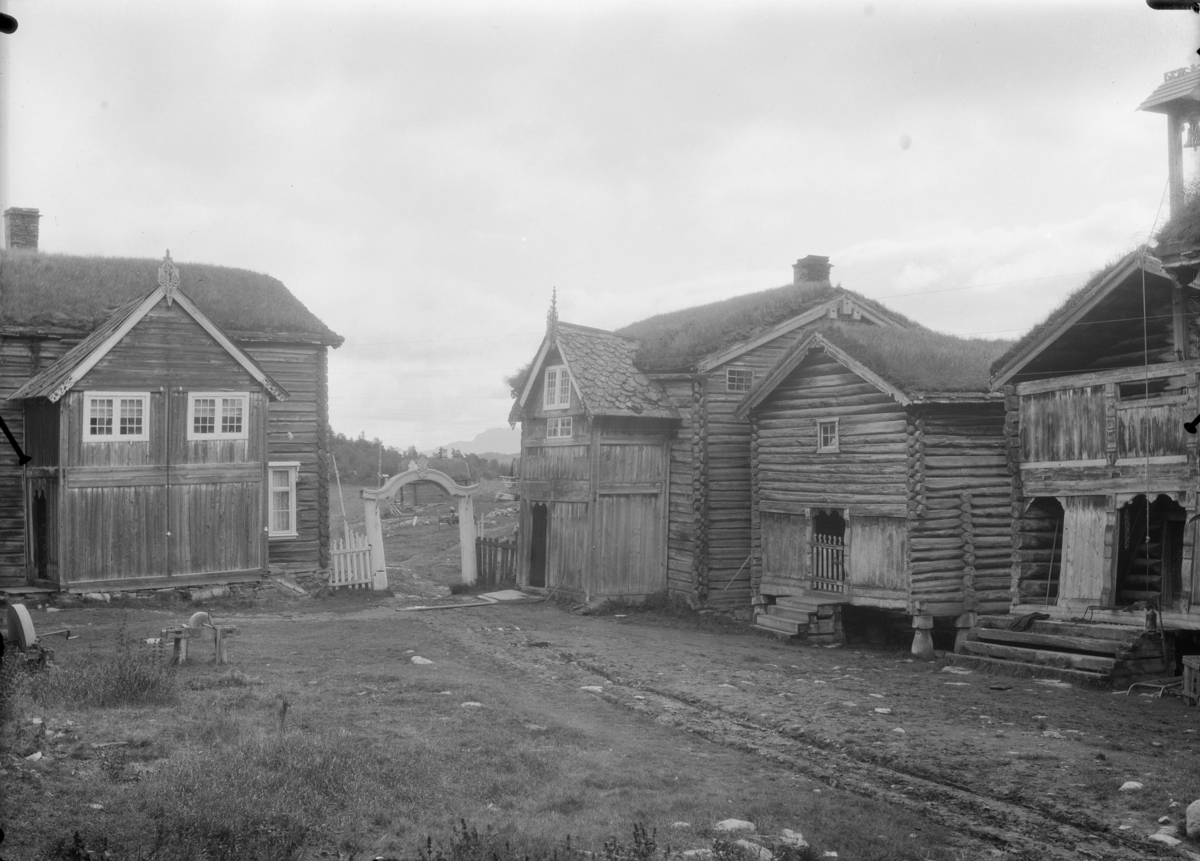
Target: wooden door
(631, 561)
(877, 552)
(1084, 572)
(784, 550)
(539, 533)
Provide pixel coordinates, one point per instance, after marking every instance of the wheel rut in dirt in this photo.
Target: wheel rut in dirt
(1019, 828)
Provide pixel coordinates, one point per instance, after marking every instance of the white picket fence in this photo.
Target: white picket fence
(351, 558)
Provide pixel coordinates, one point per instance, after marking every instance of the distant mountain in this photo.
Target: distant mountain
(493, 442)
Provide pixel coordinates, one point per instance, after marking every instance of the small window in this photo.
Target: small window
(282, 481)
(559, 428)
(739, 379)
(217, 415)
(557, 394)
(116, 416)
(827, 435)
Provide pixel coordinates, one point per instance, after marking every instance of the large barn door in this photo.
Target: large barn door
(630, 541)
(215, 495)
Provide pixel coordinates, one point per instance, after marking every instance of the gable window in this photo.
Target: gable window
(556, 394)
(282, 514)
(559, 428)
(217, 415)
(827, 435)
(739, 379)
(116, 416)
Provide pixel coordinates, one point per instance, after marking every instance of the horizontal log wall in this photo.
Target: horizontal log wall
(726, 479)
(960, 548)
(868, 473)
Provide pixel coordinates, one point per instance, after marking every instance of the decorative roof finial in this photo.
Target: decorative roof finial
(552, 314)
(168, 278)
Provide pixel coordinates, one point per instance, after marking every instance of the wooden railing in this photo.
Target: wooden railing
(350, 560)
(828, 564)
(495, 561)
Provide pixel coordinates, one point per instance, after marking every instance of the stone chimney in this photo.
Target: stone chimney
(21, 228)
(812, 273)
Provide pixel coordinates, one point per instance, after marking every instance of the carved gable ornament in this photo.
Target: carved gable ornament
(168, 278)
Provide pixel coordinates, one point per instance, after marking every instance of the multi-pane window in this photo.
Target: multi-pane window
(557, 390)
(115, 416)
(216, 415)
(827, 435)
(558, 428)
(282, 514)
(739, 379)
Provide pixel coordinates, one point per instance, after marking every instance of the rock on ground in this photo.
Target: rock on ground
(1130, 786)
(734, 825)
(1193, 819)
(793, 838)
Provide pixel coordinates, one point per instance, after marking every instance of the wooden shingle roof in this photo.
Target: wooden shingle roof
(1179, 85)
(608, 382)
(603, 374)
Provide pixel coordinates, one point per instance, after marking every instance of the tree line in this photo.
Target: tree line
(361, 460)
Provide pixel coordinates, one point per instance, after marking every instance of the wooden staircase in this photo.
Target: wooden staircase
(817, 619)
(1093, 653)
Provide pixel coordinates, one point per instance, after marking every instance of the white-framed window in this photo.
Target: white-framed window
(556, 394)
(739, 379)
(116, 416)
(827, 435)
(217, 415)
(281, 489)
(559, 428)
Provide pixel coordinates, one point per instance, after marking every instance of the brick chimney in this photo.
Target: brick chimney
(21, 228)
(811, 273)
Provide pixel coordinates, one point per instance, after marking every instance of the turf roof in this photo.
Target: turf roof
(1062, 310)
(39, 290)
(917, 360)
(677, 340)
(1183, 227)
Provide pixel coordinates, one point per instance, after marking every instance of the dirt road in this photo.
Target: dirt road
(1027, 769)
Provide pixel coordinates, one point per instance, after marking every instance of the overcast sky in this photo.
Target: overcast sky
(421, 175)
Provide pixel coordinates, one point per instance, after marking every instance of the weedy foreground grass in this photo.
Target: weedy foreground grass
(326, 739)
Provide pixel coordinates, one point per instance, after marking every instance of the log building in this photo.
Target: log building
(700, 362)
(1104, 474)
(878, 479)
(595, 446)
(139, 412)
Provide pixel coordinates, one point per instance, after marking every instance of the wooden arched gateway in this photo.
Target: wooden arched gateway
(419, 471)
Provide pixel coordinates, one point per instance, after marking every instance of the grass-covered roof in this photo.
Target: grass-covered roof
(917, 360)
(1064, 307)
(1183, 227)
(59, 291)
(677, 340)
